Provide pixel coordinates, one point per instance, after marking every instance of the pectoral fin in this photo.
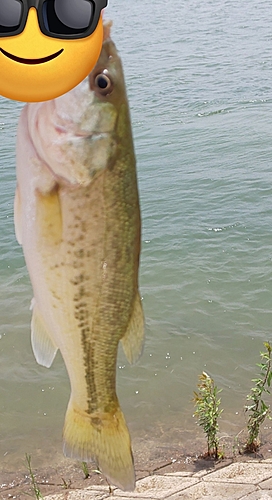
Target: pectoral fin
(43, 346)
(18, 216)
(49, 217)
(133, 340)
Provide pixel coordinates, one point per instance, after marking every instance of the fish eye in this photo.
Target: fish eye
(103, 83)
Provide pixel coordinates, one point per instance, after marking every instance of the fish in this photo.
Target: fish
(77, 217)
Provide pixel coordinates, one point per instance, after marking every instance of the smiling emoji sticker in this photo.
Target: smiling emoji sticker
(47, 47)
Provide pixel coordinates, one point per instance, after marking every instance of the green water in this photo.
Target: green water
(199, 82)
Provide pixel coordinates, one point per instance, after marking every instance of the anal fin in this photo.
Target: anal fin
(44, 348)
(133, 340)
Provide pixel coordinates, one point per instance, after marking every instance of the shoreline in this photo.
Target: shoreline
(151, 458)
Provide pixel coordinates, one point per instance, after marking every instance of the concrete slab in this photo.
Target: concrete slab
(86, 494)
(237, 481)
(266, 485)
(129, 498)
(258, 495)
(202, 473)
(180, 474)
(54, 497)
(214, 491)
(250, 472)
(158, 487)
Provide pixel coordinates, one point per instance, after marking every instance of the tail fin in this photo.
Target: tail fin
(104, 438)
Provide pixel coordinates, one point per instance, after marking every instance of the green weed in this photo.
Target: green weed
(85, 470)
(66, 485)
(257, 409)
(207, 411)
(36, 488)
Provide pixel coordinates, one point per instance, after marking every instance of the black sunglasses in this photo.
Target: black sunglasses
(68, 19)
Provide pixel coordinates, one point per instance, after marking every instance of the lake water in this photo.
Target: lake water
(199, 77)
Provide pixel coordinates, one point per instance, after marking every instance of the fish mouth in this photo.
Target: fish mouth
(31, 61)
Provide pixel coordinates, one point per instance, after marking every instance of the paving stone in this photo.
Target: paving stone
(266, 485)
(158, 487)
(202, 473)
(180, 474)
(237, 481)
(131, 498)
(86, 494)
(252, 473)
(258, 495)
(54, 497)
(214, 491)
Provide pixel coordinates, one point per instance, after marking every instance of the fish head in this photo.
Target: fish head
(79, 134)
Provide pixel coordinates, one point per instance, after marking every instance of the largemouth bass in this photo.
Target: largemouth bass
(77, 217)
